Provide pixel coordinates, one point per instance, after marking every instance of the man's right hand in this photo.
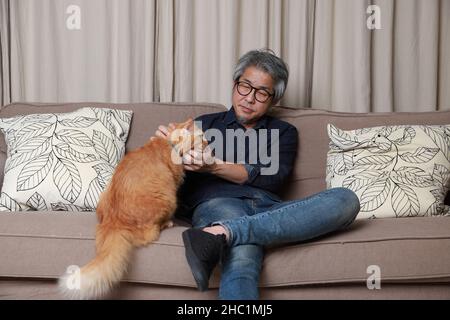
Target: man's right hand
(163, 131)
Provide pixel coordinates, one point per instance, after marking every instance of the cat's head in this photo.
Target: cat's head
(186, 136)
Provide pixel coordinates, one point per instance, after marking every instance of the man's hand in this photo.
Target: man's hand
(200, 161)
(203, 161)
(163, 131)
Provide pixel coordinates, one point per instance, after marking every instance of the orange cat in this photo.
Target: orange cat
(137, 204)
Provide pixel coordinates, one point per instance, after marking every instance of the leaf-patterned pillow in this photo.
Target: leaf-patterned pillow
(61, 161)
(396, 171)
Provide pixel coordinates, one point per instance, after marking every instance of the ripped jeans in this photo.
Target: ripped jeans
(254, 223)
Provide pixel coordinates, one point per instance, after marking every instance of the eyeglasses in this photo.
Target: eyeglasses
(244, 89)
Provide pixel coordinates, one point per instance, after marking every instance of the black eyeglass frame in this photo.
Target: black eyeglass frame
(270, 95)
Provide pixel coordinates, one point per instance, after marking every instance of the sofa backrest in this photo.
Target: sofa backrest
(310, 167)
(309, 172)
(145, 121)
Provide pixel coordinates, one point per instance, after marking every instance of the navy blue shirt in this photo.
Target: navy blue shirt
(259, 158)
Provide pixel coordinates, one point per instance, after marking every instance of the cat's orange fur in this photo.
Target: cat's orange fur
(137, 204)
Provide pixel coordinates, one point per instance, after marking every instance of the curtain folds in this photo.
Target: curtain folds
(110, 57)
(5, 80)
(185, 50)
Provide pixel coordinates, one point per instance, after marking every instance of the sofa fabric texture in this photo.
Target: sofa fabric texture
(412, 254)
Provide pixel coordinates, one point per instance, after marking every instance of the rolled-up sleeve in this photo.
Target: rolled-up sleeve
(287, 152)
(252, 171)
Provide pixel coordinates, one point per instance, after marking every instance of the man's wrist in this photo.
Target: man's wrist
(214, 168)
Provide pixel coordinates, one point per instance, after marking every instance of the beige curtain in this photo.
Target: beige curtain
(5, 80)
(185, 50)
(110, 58)
(444, 56)
(212, 34)
(336, 62)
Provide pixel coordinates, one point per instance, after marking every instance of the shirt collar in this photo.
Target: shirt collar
(230, 118)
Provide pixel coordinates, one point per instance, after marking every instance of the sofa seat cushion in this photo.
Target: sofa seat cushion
(404, 250)
(44, 244)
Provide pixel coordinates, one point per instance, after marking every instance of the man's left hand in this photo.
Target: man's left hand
(200, 161)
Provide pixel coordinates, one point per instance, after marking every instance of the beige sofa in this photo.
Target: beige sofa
(413, 254)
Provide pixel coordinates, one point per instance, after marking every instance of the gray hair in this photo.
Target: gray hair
(265, 60)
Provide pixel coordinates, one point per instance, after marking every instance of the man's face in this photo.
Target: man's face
(248, 110)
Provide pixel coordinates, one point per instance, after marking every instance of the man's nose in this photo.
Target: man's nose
(250, 98)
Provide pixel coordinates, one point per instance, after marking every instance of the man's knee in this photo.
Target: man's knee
(216, 203)
(350, 202)
(219, 209)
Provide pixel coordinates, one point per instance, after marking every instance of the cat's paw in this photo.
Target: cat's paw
(168, 224)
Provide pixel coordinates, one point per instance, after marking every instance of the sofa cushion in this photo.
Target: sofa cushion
(43, 245)
(396, 171)
(61, 161)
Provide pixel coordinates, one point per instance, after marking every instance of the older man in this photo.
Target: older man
(232, 202)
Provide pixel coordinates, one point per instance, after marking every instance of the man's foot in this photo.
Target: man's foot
(203, 252)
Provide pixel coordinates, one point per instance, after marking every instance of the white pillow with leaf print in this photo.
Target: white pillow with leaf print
(396, 171)
(61, 161)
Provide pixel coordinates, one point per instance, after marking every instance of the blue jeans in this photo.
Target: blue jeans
(254, 223)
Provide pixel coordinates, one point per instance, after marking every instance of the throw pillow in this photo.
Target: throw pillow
(61, 161)
(396, 171)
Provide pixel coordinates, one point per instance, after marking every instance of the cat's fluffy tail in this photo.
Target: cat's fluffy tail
(96, 279)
